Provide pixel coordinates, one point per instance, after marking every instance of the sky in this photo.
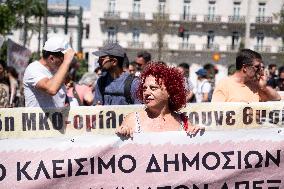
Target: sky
(84, 3)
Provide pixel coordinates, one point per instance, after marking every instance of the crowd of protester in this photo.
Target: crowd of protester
(48, 82)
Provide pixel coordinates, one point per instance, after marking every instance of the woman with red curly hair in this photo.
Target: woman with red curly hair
(163, 92)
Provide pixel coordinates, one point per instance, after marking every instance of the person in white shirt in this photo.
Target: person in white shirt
(44, 79)
(203, 88)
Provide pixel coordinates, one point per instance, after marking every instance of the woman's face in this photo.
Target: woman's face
(154, 95)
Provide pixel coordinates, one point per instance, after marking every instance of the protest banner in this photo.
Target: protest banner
(17, 56)
(242, 147)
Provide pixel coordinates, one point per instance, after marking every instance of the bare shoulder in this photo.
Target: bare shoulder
(129, 120)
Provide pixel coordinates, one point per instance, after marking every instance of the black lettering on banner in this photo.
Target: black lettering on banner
(247, 115)
(238, 184)
(111, 119)
(275, 160)
(92, 161)
(152, 161)
(228, 160)
(218, 117)
(81, 166)
(258, 164)
(90, 123)
(204, 160)
(260, 116)
(167, 162)
(120, 119)
(70, 168)
(120, 166)
(206, 120)
(101, 120)
(186, 161)
(181, 187)
(41, 167)
(23, 171)
(164, 187)
(193, 118)
(111, 164)
(29, 123)
(57, 121)
(3, 172)
(78, 122)
(43, 124)
(257, 182)
(229, 118)
(239, 159)
(273, 182)
(225, 186)
(274, 116)
(57, 168)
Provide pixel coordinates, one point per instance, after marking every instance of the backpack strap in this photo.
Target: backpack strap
(101, 85)
(127, 89)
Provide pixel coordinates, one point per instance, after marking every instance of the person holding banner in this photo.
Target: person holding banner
(44, 79)
(162, 90)
(247, 84)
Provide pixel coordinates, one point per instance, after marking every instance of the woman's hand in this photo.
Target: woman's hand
(124, 131)
(193, 130)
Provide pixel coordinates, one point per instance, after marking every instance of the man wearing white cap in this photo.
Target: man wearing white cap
(44, 79)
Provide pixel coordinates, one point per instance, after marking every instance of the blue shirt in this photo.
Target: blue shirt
(115, 86)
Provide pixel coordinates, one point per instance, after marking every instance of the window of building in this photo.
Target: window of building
(87, 31)
(186, 9)
(235, 40)
(136, 6)
(162, 6)
(210, 39)
(236, 9)
(259, 40)
(261, 9)
(87, 56)
(135, 35)
(211, 10)
(185, 37)
(111, 5)
(111, 35)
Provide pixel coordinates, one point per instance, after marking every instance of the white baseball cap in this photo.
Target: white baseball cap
(57, 44)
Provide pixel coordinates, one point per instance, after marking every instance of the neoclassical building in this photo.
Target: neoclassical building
(192, 31)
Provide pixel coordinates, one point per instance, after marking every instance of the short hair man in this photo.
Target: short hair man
(142, 58)
(114, 87)
(44, 79)
(184, 69)
(247, 84)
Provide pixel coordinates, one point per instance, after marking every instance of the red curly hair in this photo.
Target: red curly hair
(173, 80)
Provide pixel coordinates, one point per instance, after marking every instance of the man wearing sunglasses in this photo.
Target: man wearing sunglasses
(114, 87)
(248, 83)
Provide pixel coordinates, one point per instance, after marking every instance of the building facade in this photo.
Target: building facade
(192, 31)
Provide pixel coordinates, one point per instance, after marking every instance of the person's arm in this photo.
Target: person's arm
(52, 85)
(206, 88)
(13, 90)
(189, 95)
(267, 93)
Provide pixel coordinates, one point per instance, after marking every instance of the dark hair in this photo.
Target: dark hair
(120, 60)
(46, 54)
(280, 70)
(12, 71)
(270, 66)
(3, 63)
(184, 65)
(172, 79)
(246, 57)
(145, 55)
(125, 61)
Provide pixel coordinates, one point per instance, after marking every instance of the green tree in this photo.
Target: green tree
(7, 18)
